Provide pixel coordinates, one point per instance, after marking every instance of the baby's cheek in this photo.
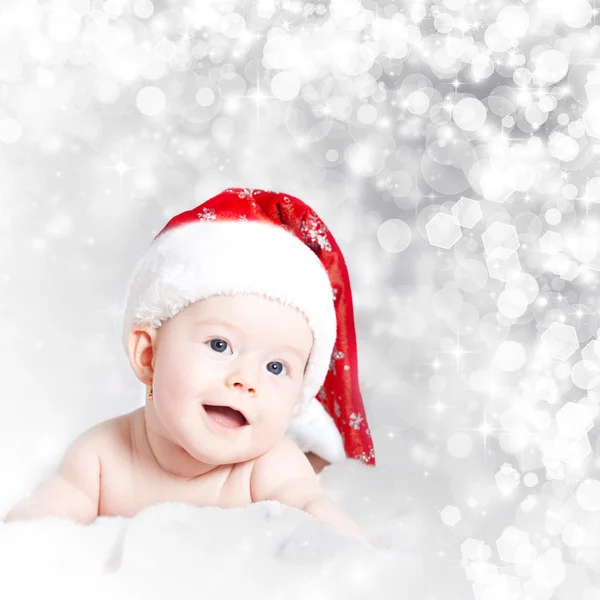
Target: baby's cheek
(265, 438)
(277, 423)
(173, 375)
(174, 385)
(183, 362)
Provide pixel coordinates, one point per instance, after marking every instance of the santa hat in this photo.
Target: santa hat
(246, 241)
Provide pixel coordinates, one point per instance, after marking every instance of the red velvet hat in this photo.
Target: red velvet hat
(246, 241)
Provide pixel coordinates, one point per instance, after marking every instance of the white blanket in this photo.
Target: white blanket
(175, 550)
(266, 551)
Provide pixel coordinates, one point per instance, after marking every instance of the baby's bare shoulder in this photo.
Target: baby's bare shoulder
(285, 453)
(108, 437)
(285, 465)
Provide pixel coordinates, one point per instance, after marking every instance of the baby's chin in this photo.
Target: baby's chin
(212, 457)
(222, 454)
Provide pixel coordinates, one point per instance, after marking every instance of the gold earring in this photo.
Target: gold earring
(150, 395)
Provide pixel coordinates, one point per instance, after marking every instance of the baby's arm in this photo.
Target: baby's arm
(284, 474)
(73, 491)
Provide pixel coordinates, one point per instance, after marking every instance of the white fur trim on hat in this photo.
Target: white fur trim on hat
(206, 258)
(313, 429)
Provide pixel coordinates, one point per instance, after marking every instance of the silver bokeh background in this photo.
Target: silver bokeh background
(451, 147)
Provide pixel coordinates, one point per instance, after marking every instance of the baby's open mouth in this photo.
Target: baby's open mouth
(226, 416)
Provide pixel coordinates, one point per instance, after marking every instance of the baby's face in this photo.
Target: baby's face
(246, 352)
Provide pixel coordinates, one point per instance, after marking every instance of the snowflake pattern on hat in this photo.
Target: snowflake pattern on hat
(315, 232)
(207, 215)
(248, 193)
(355, 421)
(335, 355)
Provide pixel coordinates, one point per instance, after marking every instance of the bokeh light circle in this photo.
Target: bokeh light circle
(394, 235)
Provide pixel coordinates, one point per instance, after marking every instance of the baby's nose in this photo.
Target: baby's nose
(250, 388)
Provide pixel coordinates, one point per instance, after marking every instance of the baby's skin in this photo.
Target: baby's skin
(245, 352)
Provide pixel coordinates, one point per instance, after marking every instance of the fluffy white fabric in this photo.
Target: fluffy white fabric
(266, 550)
(314, 430)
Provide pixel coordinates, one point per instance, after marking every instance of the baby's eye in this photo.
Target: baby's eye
(218, 345)
(278, 367)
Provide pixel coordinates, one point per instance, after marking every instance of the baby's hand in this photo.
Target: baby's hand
(284, 474)
(72, 492)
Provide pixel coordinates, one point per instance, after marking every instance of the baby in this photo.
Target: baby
(231, 323)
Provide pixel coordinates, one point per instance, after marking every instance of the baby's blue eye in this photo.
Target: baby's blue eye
(280, 366)
(218, 345)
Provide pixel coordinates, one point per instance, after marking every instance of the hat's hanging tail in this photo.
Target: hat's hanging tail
(340, 393)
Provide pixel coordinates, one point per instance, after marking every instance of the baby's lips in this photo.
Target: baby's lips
(226, 415)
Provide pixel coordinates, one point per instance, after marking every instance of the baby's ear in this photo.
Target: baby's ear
(141, 348)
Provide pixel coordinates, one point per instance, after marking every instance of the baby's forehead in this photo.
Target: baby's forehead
(221, 301)
(252, 315)
(242, 308)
